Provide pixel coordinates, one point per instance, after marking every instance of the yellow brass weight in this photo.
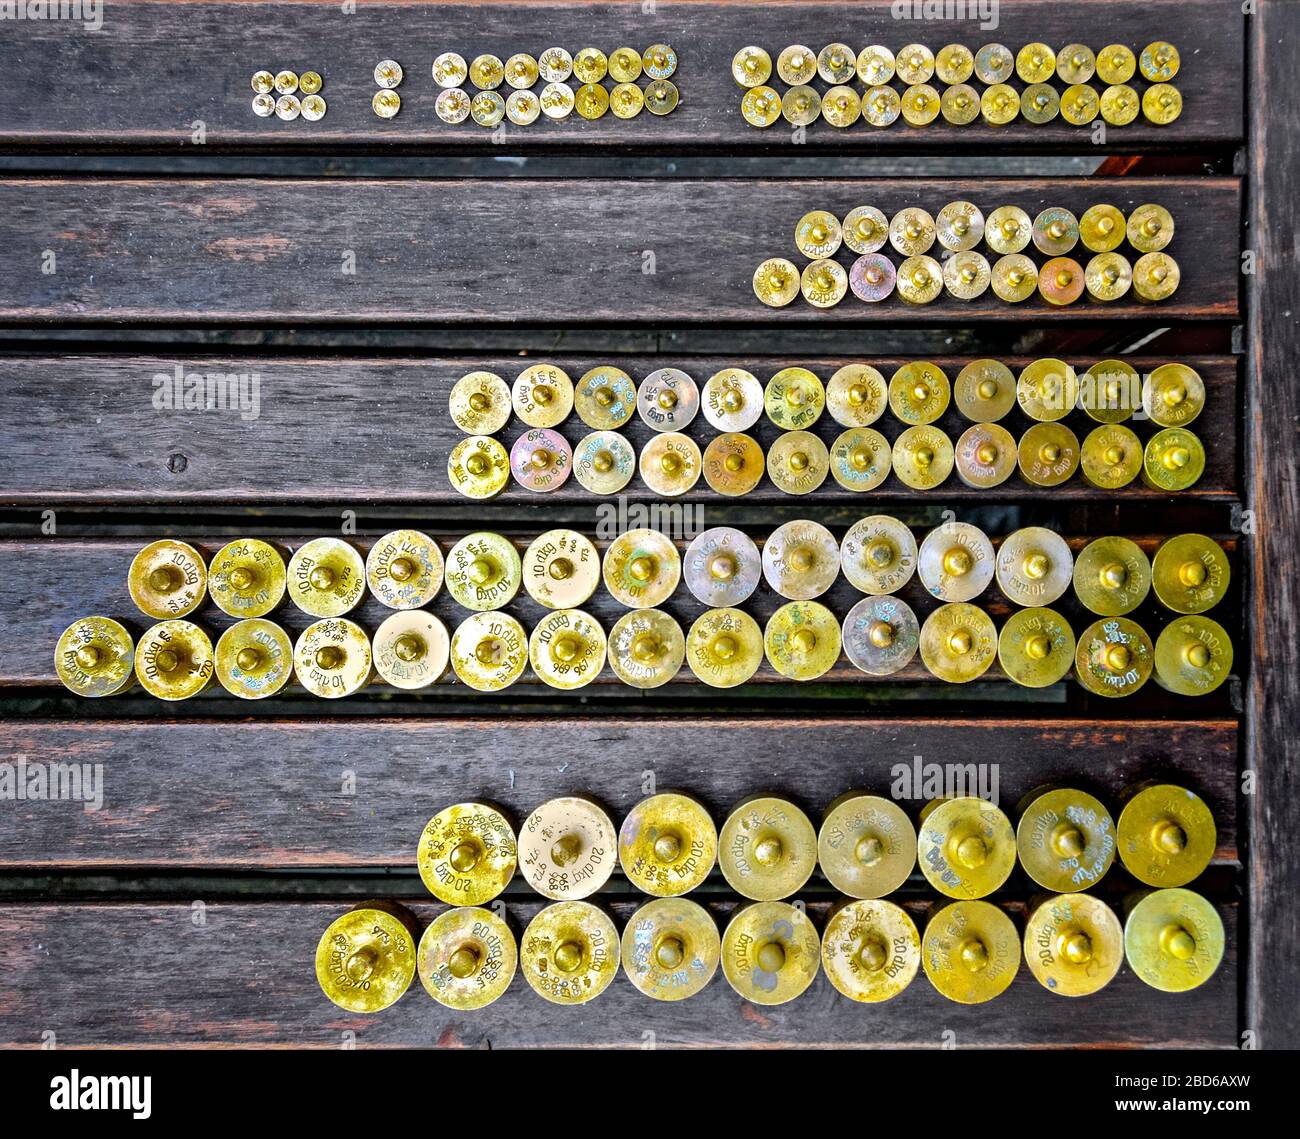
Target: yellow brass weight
(327, 577)
(95, 656)
(798, 462)
(970, 951)
(856, 395)
(478, 467)
(770, 952)
(1193, 656)
(1048, 454)
(332, 658)
(724, 647)
(668, 844)
(1066, 839)
(956, 561)
(965, 847)
(767, 848)
(254, 659)
(569, 953)
(542, 395)
(567, 649)
(174, 660)
(467, 958)
(646, 648)
(480, 403)
(247, 578)
(985, 455)
(404, 569)
(641, 568)
(919, 392)
(802, 640)
(561, 569)
(670, 464)
(467, 854)
(794, 399)
(1173, 939)
(1114, 657)
(167, 579)
(1111, 456)
(867, 845)
(671, 948)
(1166, 835)
(365, 960)
(1112, 576)
(733, 463)
(1190, 573)
(1036, 647)
(878, 554)
(1034, 566)
(604, 462)
(1173, 396)
(605, 398)
(923, 457)
(801, 560)
(1174, 460)
(489, 651)
(567, 848)
(871, 950)
(1074, 944)
(411, 649)
(483, 571)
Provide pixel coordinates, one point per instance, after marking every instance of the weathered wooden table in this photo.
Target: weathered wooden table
(150, 223)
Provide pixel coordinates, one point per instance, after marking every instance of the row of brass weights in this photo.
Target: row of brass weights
(918, 394)
(641, 569)
(770, 951)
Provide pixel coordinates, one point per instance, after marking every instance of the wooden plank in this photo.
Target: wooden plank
(388, 433)
(46, 585)
(550, 252)
(1272, 752)
(244, 977)
(201, 55)
(270, 793)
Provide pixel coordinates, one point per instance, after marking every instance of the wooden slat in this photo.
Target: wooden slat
(156, 69)
(558, 252)
(46, 585)
(1273, 497)
(269, 793)
(245, 977)
(387, 434)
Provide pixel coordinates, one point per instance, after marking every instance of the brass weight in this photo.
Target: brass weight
(478, 467)
(866, 846)
(95, 656)
(489, 651)
(254, 659)
(965, 847)
(167, 579)
(801, 560)
(567, 649)
(970, 951)
(1166, 834)
(722, 567)
(641, 568)
(1074, 945)
(767, 848)
(561, 569)
(1112, 576)
(802, 640)
(366, 959)
(1173, 939)
(671, 463)
(878, 554)
(1114, 657)
(1036, 647)
(1193, 656)
(671, 948)
(985, 390)
(1173, 396)
(724, 647)
(174, 660)
(327, 577)
(1111, 456)
(411, 649)
(923, 457)
(567, 848)
(1034, 566)
(542, 395)
(956, 561)
(856, 395)
(569, 953)
(332, 658)
(247, 578)
(985, 455)
(404, 569)
(770, 952)
(733, 463)
(881, 635)
(732, 399)
(605, 398)
(861, 459)
(798, 462)
(1048, 454)
(604, 462)
(467, 958)
(467, 854)
(480, 403)
(483, 571)
(871, 950)
(1190, 573)
(1066, 839)
(668, 844)
(1174, 460)
(646, 648)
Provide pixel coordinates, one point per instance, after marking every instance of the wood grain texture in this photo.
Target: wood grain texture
(547, 252)
(136, 975)
(46, 585)
(195, 793)
(387, 434)
(1273, 494)
(200, 57)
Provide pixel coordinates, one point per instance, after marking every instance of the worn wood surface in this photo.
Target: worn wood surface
(157, 70)
(388, 432)
(204, 793)
(46, 585)
(245, 977)
(552, 252)
(1273, 495)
